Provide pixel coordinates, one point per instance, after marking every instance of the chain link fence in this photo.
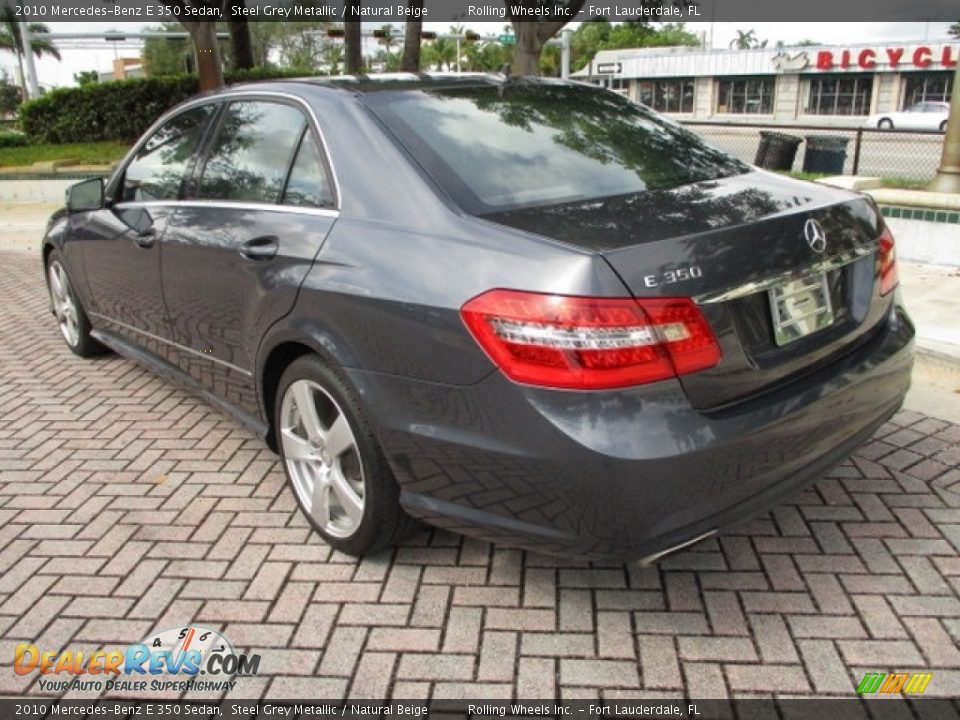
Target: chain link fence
(907, 156)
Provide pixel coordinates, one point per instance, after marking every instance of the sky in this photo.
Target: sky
(53, 74)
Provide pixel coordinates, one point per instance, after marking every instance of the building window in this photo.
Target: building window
(668, 96)
(746, 96)
(616, 84)
(840, 95)
(927, 87)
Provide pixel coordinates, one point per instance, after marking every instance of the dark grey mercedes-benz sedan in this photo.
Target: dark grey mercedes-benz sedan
(526, 310)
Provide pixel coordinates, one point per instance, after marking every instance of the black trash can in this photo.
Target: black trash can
(825, 154)
(777, 150)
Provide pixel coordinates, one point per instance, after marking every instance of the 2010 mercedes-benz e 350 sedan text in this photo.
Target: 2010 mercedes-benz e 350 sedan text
(525, 310)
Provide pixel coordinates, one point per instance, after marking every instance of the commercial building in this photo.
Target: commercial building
(816, 85)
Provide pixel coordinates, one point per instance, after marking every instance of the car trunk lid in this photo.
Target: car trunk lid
(729, 244)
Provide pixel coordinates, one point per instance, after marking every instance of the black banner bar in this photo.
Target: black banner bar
(672, 709)
(492, 11)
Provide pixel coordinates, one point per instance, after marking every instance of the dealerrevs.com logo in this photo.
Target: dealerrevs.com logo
(178, 659)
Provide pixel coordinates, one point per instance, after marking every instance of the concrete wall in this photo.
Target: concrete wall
(44, 191)
(926, 242)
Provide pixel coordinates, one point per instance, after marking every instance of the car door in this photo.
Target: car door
(121, 249)
(235, 254)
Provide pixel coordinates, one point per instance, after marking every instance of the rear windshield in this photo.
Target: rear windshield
(502, 147)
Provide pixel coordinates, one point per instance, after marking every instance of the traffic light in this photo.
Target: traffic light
(336, 32)
(428, 35)
(471, 36)
(380, 34)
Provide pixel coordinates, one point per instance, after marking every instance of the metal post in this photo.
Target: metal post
(458, 53)
(565, 55)
(858, 141)
(33, 87)
(947, 179)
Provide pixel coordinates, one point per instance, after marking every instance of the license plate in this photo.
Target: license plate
(800, 307)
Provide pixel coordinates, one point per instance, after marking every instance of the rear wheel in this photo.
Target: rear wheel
(885, 124)
(943, 126)
(71, 318)
(333, 462)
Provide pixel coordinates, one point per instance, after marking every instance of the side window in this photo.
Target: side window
(309, 185)
(252, 151)
(161, 165)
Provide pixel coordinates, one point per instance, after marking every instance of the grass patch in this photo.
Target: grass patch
(903, 184)
(808, 175)
(887, 182)
(94, 153)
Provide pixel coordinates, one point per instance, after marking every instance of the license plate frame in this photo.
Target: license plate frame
(800, 308)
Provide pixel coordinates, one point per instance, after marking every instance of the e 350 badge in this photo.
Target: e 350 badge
(191, 651)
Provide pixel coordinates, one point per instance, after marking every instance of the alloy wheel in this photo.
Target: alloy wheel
(322, 458)
(64, 306)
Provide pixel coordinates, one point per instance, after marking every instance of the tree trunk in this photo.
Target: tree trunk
(24, 93)
(207, 52)
(411, 41)
(526, 53)
(240, 40)
(353, 39)
(948, 174)
(532, 36)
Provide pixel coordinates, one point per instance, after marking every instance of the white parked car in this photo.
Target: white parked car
(922, 116)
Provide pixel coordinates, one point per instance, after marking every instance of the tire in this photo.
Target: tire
(356, 508)
(943, 126)
(71, 318)
(885, 124)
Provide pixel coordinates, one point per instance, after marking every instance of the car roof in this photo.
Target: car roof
(381, 82)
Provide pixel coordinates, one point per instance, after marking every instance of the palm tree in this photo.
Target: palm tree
(11, 40)
(386, 37)
(333, 58)
(744, 40)
(443, 53)
(954, 30)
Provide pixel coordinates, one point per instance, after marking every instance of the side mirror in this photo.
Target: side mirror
(86, 195)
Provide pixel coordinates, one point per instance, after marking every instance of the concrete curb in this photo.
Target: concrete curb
(937, 359)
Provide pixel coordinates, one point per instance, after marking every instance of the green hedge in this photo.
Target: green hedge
(12, 139)
(116, 110)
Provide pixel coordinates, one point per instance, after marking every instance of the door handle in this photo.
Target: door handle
(146, 238)
(261, 248)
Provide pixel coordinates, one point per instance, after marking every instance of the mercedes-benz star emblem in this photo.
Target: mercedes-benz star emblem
(816, 237)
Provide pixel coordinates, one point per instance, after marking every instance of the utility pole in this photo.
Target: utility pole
(33, 87)
(948, 174)
(565, 54)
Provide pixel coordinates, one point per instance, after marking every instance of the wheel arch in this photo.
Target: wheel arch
(282, 347)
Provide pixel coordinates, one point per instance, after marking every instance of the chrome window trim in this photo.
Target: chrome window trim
(833, 263)
(226, 97)
(177, 345)
(230, 205)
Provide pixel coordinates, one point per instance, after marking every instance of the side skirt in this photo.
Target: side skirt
(169, 372)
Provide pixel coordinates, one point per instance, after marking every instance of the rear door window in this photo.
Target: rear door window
(251, 152)
(309, 184)
(163, 163)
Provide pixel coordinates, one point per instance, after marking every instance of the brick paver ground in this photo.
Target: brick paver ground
(128, 505)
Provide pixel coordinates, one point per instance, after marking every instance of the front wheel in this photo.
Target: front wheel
(71, 318)
(885, 124)
(333, 462)
(943, 126)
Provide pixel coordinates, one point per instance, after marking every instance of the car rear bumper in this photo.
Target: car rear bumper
(631, 473)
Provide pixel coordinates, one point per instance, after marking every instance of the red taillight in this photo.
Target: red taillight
(590, 343)
(887, 252)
